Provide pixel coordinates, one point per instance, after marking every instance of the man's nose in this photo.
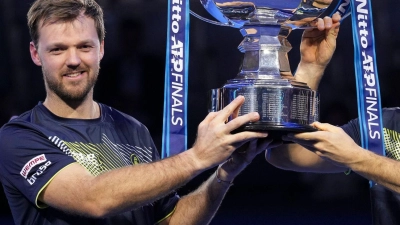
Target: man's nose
(73, 58)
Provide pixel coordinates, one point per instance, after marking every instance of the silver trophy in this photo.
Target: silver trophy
(265, 78)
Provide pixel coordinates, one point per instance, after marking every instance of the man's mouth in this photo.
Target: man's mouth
(74, 74)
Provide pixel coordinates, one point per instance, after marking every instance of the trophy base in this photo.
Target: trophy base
(275, 131)
(284, 106)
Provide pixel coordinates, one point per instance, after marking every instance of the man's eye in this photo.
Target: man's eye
(86, 47)
(56, 50)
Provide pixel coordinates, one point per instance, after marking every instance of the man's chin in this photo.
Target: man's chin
(73, 99)
(73, 96)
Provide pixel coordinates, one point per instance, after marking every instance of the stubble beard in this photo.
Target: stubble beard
(68, 96)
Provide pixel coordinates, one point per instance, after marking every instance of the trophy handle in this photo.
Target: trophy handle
(341, 20)
(210, 21)
(230, 25)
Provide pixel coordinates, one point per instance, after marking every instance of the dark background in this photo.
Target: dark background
(132, 80)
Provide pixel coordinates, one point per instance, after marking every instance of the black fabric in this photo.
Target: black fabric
(385, 204)
(35, 146)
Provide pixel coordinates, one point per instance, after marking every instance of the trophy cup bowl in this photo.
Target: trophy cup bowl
(265, 80)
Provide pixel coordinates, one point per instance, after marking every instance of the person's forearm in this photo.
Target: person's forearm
(380, 169)
(200, 206)
(139, 185)
(310, 74)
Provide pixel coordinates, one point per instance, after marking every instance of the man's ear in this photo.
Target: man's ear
(34, 54)
(101, 49)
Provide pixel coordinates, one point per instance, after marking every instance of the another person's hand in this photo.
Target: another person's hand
(243, 156)
(319, 43)
(316, 49)
(330, 143)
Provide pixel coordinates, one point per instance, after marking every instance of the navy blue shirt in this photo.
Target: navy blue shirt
(35, 146)
(385, 203)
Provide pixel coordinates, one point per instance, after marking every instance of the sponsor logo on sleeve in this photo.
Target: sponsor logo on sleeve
(32, 163)
(31, 180)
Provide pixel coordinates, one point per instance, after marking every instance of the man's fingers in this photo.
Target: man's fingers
(306, 138)
(235, 113)
(301, 137)
(336, 17)
(324, 23)
(326, 127)
(327, 23)
(210, 116)
(230, 108)
(320, 24)
(335, 24)
(239, 121)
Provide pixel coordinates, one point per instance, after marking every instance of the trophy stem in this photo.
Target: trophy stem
(265, 51)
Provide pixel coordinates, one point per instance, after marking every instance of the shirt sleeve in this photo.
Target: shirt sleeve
(165, 207)
(28, 160)
(352, 129)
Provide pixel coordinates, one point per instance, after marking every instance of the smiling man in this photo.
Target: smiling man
(69, 54)
(72, 160)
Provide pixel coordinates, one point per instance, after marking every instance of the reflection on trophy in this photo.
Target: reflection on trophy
(265, 79)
